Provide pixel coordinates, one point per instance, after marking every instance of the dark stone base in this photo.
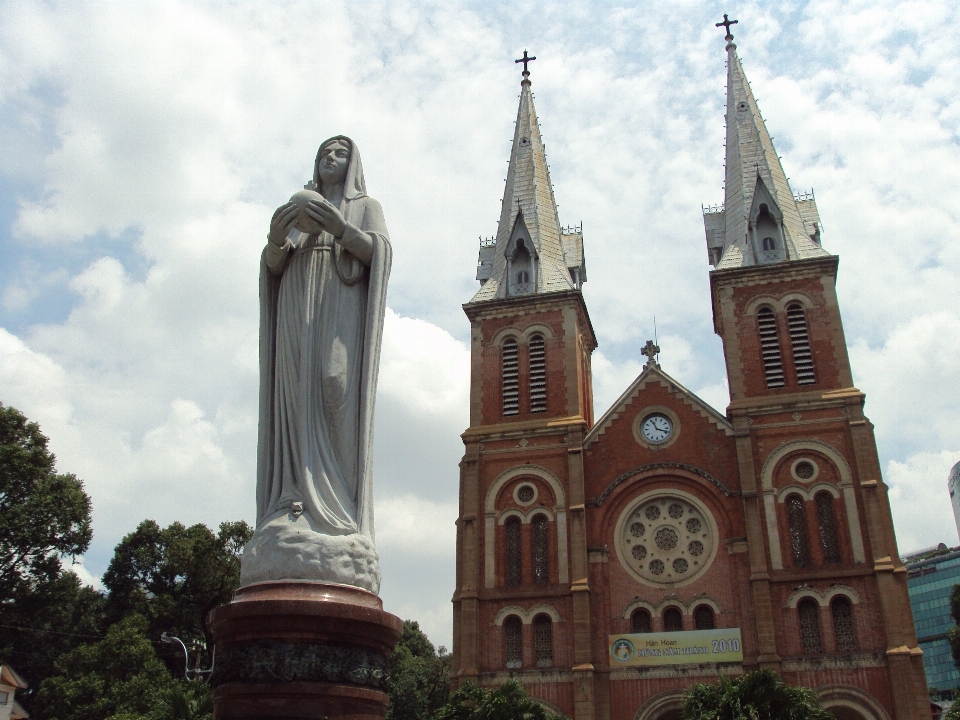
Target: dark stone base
(300, 650)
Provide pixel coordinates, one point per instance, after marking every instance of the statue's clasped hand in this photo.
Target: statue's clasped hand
(283, 221)
(327, 216)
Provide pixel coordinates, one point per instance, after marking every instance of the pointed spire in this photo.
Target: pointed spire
(529, 236)
(743, 233)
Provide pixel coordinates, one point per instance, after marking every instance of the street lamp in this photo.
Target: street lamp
(168, 638)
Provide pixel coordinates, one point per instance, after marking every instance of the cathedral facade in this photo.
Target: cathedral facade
(610, 563)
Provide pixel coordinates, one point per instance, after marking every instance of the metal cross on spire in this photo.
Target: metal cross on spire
(727, 22)
(651, 350)
(525, 60)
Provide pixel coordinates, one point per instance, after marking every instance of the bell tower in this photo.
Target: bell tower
(521, 546)
(806, 451)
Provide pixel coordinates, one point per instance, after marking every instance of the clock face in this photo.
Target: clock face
(657, 428)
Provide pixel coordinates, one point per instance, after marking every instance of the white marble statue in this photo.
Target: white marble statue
(322, 300)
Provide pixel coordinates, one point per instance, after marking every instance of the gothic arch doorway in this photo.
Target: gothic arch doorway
(851, 703)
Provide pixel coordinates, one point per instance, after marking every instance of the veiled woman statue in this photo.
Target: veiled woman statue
(323, 286)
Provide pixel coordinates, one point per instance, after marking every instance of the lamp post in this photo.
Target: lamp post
(168, 638)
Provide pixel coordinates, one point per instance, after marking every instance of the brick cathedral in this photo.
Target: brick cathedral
(610, 563)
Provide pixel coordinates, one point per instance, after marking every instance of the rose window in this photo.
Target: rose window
(525, 493)
(666, 539)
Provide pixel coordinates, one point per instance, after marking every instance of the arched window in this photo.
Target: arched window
(797, 522)
(672, 620)
(523, 276)
(843, 624)
(512, 527)
(513, 642)
(511, 378)
(703, 617)
(769, 243)
(543, 640)
(828, 526)
(800, 342)
(538, 374)
(541, 549)
(809, 612)
(640, 620)
(770, 347)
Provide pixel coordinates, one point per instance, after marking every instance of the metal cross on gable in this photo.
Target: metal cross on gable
(525, 60)
(727, 22)
(651, 350)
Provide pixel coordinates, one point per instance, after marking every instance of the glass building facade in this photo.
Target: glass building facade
(930, 581)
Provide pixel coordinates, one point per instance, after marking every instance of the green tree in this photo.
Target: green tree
(118, 676)
(185, 701)
(174, 576)
(507, 702)
(418, 676)
(760, 695)
(43, 515)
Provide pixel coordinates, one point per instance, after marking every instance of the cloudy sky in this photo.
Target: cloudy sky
(145, 146)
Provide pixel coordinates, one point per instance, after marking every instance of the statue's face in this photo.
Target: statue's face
(334, 159)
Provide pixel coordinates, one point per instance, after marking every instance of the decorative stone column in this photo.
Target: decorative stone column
(296, 649)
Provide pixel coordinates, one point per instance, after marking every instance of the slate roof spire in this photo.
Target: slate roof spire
(532, 253)
(761, 220)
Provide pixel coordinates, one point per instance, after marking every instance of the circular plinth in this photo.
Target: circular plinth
(302, 650)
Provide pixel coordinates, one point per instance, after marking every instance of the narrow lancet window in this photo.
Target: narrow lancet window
(809, 612)
(843, 624)
(511, 378)
(541, 545)
(512, 527)
(538, 374)
(513, 642)
(797, 522)
(800, 342)
(770, 347)
(640, 620)
(543, 640)
(828, 526)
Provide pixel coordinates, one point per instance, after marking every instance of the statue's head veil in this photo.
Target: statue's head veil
(353, 185)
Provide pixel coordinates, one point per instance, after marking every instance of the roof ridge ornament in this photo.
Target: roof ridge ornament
(651, 350)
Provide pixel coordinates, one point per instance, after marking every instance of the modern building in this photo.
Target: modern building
(953, 485)
(931, 577)
(609, 564)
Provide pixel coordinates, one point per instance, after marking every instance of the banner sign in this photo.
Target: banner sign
(676, 648)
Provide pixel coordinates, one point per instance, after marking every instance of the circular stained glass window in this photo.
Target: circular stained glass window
(804, 470)
(679, 538)
(525, 493)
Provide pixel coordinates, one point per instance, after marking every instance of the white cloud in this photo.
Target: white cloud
(918, 497)
(165, 133)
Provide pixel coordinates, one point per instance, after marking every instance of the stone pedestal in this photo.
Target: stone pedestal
(297, 650)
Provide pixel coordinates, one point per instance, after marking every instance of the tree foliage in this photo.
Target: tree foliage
(119, 675)
(43, 515)
(418, 676)
(174, 576)
(185, 701)
(760, 695)
(507, 702)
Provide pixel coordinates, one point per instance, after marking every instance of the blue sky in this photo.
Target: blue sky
(147, 144)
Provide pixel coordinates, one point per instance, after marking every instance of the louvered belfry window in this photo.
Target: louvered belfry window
(513, 642)
(797, 522)
(538, 374)
(640, 620)
(541, 550)
(543, 640)
(809, 612)
(800, 342)
(828, 526)
(843, 624)
(511, 378)
(512, 527)
(770, 347)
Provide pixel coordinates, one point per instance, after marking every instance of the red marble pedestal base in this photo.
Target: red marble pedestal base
(302, 650)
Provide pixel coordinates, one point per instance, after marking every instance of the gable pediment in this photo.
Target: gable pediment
(628, 402)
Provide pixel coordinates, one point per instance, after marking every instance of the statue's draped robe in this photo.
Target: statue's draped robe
(321, 323)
